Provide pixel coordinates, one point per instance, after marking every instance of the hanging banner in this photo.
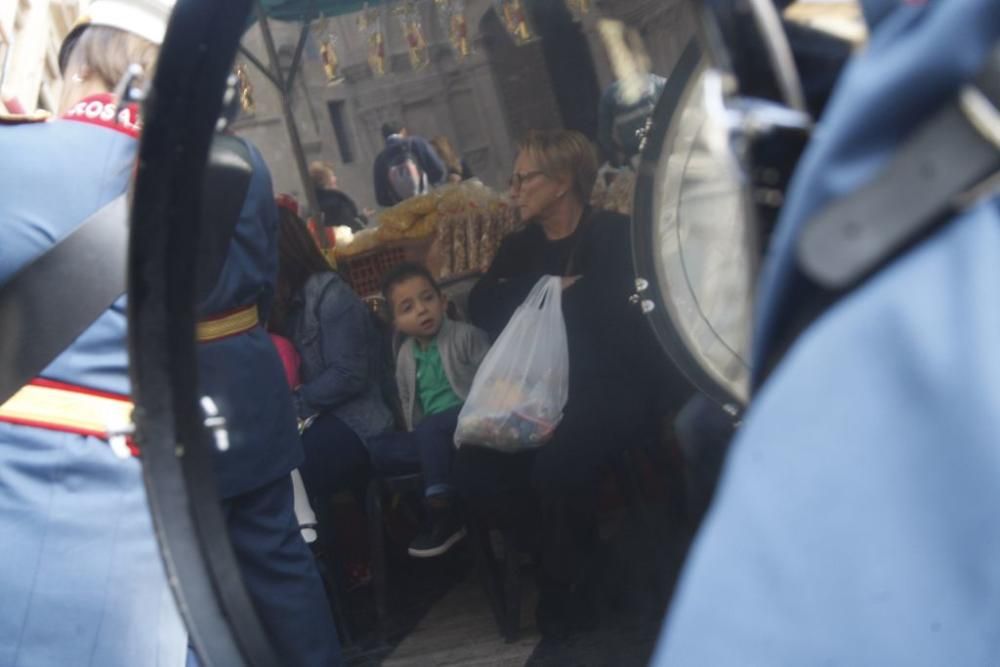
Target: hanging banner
(413, 32)
(370, 25)
(328, 52)
(451, 13)
(515, 19)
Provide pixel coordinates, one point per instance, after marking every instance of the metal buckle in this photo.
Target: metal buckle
(981, 113)
(984, 117)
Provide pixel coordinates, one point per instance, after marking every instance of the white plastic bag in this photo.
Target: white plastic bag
(520, 390)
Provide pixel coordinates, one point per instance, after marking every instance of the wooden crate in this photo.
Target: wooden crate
(364, 271)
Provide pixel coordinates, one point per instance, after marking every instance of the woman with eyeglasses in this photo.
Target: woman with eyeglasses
(611, 380)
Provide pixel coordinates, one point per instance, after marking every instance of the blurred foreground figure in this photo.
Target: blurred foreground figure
(82, 582)
(239, 368)
(855, 520)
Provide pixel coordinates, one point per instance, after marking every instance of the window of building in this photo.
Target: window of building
(337, 118)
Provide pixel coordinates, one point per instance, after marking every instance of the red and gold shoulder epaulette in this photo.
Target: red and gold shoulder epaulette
(23, 118)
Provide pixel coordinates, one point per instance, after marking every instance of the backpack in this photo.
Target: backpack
(406, 177)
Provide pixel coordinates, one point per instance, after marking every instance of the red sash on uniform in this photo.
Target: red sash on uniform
(102, 109)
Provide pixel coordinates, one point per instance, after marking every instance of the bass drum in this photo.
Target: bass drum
(693, 241)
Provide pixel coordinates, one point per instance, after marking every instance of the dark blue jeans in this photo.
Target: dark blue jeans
(428, 449)
(335, 459)
(281, 577)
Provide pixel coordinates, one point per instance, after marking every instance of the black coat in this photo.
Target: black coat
(339, 209)
(611, 346)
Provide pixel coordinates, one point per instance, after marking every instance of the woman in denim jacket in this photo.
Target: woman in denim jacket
(340, 401)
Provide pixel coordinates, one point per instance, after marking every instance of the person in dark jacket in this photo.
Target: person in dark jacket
(428, 167)
(239, 368)
(611, 380)
(340, 402)
(338, 209)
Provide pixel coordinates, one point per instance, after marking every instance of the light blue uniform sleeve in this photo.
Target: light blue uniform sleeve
(855, 522)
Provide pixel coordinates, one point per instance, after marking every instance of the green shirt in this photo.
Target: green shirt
(433, 388)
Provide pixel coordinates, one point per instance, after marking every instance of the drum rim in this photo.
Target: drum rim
(644, 230)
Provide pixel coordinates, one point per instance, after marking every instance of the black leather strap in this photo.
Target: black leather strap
(945, 157)
(227, 179)
(920, 189)
(43, 307)
(52, 300)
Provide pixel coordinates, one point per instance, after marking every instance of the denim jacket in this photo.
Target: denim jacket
(341, 367)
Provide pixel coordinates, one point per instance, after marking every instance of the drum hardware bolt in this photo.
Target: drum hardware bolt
(641, 285)
(118, 436)
(232, 90)
(215, 423)
(642, 134)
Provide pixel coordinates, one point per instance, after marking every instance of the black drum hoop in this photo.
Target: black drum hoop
(180, 116)
(644, 228)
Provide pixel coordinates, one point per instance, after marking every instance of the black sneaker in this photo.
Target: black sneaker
(446, 530)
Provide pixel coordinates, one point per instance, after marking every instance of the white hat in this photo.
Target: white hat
(145, 18)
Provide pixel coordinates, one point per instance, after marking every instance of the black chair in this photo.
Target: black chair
(378, 487)
(501, 576)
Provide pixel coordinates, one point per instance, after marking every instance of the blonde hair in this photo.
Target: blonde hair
(321, 173)
(107, 52)
(563, 153)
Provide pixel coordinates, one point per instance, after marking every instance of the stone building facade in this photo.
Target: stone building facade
(482, 103)
(30, 34)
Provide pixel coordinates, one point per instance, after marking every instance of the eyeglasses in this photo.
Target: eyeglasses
(518, 179)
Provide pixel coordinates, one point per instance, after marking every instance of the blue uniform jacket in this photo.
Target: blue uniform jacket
(81, 580)
(243, 373)
(855, 523)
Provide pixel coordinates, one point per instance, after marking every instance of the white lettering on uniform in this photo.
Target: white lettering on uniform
(125, 118)
(94, 109)
(108, 113)
(78, 109)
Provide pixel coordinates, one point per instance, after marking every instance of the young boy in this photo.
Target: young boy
(434, 371)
